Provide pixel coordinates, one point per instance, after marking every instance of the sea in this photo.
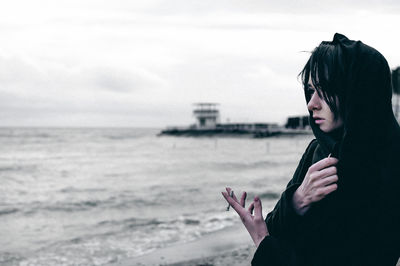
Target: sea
(97, 196)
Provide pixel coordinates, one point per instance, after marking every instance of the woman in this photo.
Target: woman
(342, 206)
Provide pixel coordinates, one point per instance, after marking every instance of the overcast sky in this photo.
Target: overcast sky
(144, 63)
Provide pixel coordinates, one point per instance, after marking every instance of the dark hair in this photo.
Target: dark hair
(326, 69)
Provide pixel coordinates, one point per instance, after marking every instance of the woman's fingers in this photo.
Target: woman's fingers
(257, 208)
(326, 181)
(251, 208)
(324, 163)
(230, 192)
(320, 180)
(228, 198)
(332, 170)
(328, 189)
(235, 205)
(243, 199)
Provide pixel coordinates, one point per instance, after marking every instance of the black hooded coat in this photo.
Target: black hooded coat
(359, 223)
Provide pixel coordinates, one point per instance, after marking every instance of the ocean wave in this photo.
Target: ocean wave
(8, 211)
(189, 221)
(7, 258)
(112, 202)
(69, 207)
(18, 168)
(201, 221)
(81, 190)
(241, 165)
(74, 206)
(128, 134)
(121, 137)
(130, 223)
(269, 195)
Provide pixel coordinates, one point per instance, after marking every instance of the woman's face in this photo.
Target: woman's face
(322, 114)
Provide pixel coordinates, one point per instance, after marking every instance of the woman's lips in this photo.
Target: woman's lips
(319, 120)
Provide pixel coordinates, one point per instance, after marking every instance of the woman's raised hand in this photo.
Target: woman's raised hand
(320, 180)
(254, 224)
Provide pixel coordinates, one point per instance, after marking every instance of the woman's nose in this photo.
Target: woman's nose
(315, 102)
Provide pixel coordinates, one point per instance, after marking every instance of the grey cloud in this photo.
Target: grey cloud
(271, 6)
(16, 72)
(30, 95)
(167, 12)
(119, 80)
(16, 110)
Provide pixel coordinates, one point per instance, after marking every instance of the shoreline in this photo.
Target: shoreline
(229, 246)
(238, 257)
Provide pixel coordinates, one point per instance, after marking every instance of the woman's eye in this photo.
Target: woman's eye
(309, 92)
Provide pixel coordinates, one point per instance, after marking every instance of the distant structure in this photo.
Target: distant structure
(298, 122)
(207, 115)
(207, 124)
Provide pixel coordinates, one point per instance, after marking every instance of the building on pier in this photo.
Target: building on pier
(207, 115)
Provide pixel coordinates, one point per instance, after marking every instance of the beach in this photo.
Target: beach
(239, 257)
(231, 246)
(111, 196)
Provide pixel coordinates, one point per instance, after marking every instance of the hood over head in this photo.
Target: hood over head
(363, 78)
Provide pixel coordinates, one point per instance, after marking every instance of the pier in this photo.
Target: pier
(207, 124)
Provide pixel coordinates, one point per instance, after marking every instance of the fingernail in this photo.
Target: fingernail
(256, 198)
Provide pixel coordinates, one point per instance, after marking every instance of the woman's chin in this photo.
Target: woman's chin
(325, 129)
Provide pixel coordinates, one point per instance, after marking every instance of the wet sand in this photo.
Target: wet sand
(231, 246)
